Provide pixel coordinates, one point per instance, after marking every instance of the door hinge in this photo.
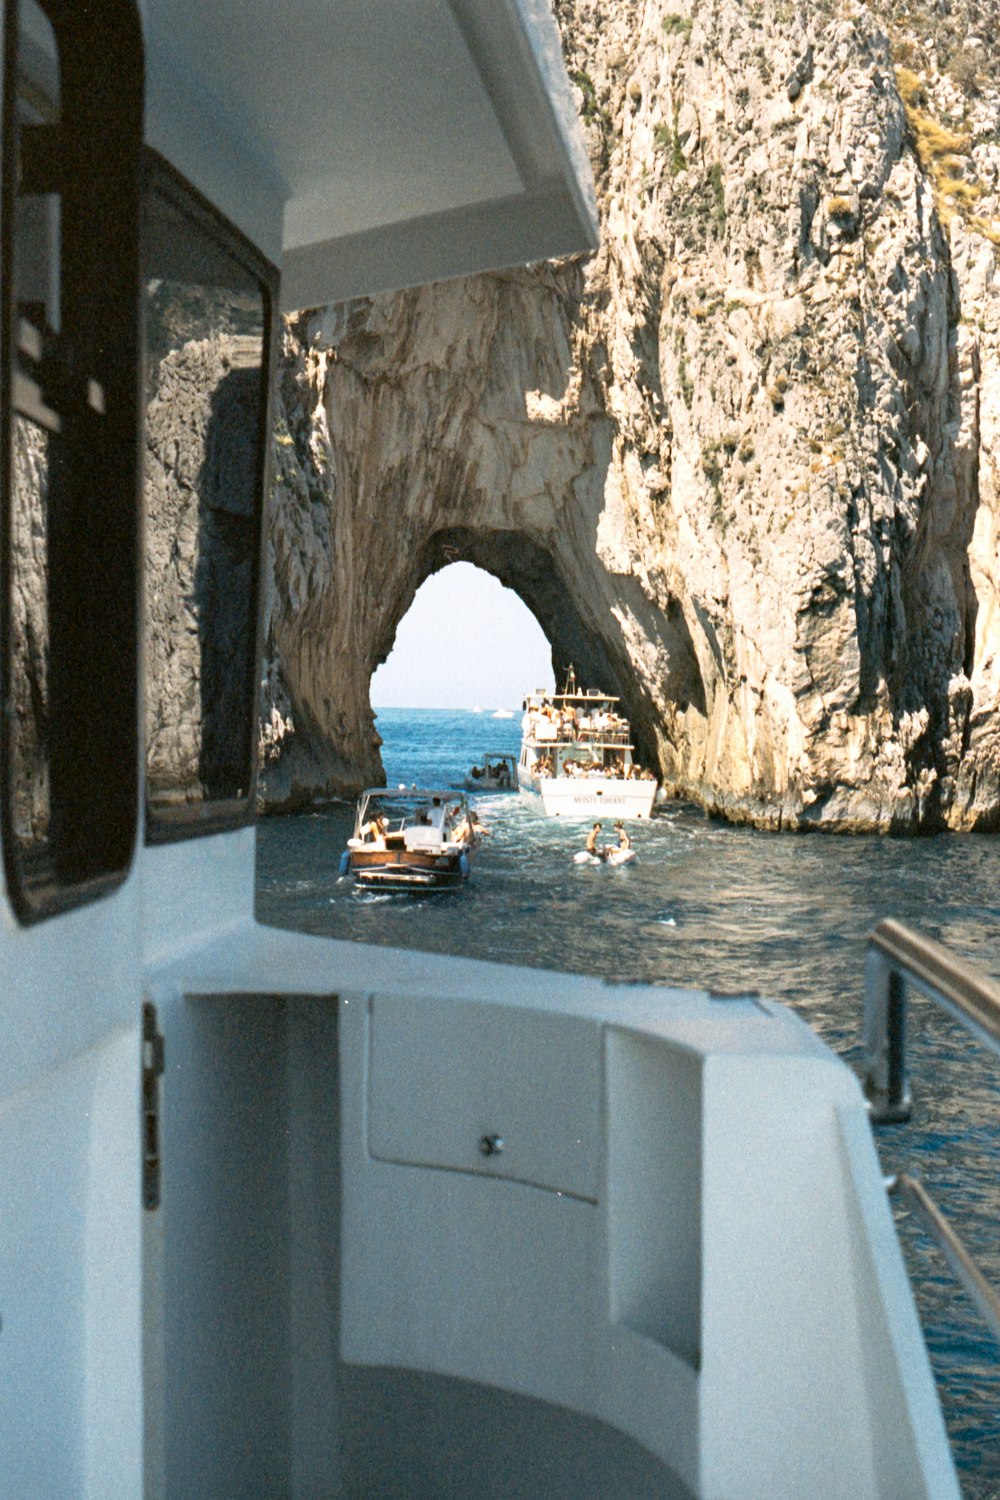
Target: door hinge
(152, 1067)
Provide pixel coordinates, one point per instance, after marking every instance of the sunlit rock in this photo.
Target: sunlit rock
(742, 464)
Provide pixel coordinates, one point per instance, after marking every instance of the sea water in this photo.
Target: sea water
(711, 906)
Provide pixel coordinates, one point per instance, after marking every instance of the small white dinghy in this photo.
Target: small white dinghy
(613, 857)
(621, 853)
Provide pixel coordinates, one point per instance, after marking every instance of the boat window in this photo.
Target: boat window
(208, 309)
(68, 740)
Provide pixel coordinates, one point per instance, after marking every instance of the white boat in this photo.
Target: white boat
(504, 713)
(576, 758)
(284, 1215)
(493, 773)
(410, 841)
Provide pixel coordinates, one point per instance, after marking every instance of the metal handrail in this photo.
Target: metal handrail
(896, 959)
(983, 1294)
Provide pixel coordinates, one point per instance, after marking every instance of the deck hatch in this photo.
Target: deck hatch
(445, 1076)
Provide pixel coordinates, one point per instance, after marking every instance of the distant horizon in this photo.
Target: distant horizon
(466, 642)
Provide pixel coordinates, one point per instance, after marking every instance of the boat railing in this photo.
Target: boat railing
(592, 738)
(899, 959)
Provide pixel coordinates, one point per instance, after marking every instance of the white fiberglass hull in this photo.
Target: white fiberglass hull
(586, 797)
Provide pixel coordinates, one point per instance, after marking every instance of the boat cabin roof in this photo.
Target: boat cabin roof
(590, 699)
(408, 802)
(414, 793)
(371, 147)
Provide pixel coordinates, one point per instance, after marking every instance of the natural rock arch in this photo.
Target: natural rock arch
(741, 465)
(580, 636)
(491, 446)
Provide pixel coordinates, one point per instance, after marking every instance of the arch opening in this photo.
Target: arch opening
(568, 623)
(319, 736)
(465, 641)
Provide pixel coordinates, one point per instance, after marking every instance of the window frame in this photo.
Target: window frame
(92, 723)
(221, 815)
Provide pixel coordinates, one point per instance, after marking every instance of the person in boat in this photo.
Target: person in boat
(624, 842)
(471, 829)
(375, 831)
(430, 815)
(548, 728)
(592, 846)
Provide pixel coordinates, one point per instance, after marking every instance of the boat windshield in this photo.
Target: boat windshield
(415, 808)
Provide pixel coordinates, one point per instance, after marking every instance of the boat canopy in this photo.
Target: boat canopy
(589, 698)
(409, 805)
(399, 143)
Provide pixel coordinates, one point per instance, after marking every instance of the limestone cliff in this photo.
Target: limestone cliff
(742, 464)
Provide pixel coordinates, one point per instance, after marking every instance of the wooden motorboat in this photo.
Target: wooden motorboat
(410, 840)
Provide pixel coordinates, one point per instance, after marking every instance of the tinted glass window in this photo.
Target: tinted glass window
(69, 741)
(207, 317)
(38, 445)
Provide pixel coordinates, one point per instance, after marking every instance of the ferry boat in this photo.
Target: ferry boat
(493, 773)
(576, 758)
(291, 1216)
(410, 841)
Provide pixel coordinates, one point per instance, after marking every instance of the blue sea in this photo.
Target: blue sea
(725, 908)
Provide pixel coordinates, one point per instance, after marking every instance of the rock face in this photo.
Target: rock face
(741, 465)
